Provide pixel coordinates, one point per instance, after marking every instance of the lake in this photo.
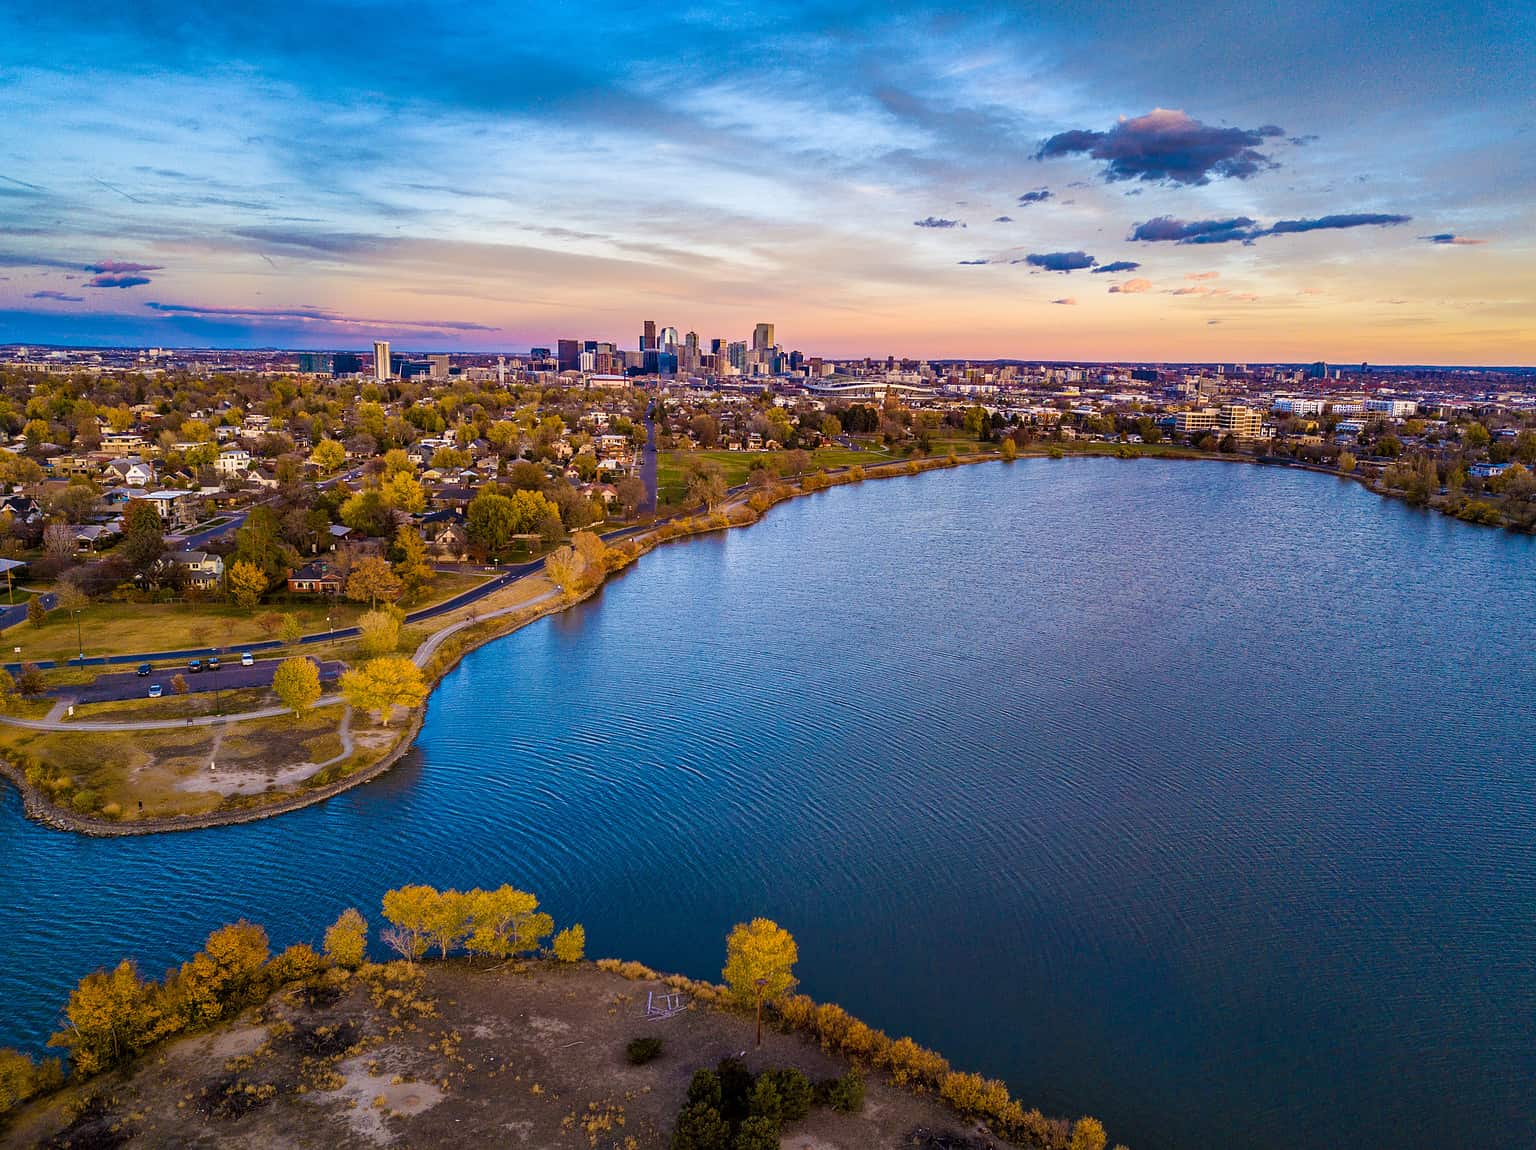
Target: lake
(1198, 797)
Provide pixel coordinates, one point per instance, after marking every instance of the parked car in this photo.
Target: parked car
(246, 660)
(145, 668)
(155, 691)
(195, 666)
(213, 663)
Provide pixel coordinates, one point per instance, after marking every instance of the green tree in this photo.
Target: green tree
(37, 614)
(701, 1127)
(259, 541)
(143, 536)
(290, 630)
(245, 582)
(297, 683)
(346, 939)
(757, 1133)
(366, 512)
(373, 579)
(384, 684)
(1475, 436)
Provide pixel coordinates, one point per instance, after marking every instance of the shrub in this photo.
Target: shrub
(794, 1090)
(298, 961)
(346, 940)
(757, 1134)
(704, 1090)
(764, 1100)
(701, 1127)
(845, 1094)
(571, 943)
(21, 1078)
(642, 1050)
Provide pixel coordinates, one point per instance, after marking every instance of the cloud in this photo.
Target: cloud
(1117, 266)
(1036, 197)
(1060, 261)
(1301, 141)
(1191, 291)
(1167, 229)
(1242, 229)
(1131, 287)
(1350, 220)
(116, 281)
(1452, 238)
(22, 260)
(58, 295)
(1212, 322)
(936, 222)
(309, 314)
(1003, 220)
(1070, 301)
(116, 267)
(973, 263)
(1203, 276)
(1168, 146)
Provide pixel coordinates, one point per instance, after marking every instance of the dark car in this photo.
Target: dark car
(195, 666)
(145, 669)
(213, 663)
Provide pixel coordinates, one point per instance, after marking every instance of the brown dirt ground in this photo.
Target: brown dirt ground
(453, 1056)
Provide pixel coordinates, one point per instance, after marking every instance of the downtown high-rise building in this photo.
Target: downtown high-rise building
(668, 339)
(648, 336)
(762, 337)
(568, 354)
(381, 359)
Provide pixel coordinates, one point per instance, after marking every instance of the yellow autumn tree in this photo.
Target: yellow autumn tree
(571, 943)
(760, 949)
(383, 684)
(346, 939)
(506, 921)
(111, 1014)
(409, 910)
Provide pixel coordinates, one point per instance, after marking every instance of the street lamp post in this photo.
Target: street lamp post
(761, 982)
(79, 637)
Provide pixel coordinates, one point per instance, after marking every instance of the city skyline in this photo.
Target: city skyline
(1186, 185)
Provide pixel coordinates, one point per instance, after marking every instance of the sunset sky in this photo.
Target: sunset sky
(1045, 181)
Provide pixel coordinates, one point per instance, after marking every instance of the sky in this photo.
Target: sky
(1054, 180)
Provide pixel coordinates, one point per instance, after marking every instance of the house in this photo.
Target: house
(21, 508)
(94, 536)
(200, 570)
(179, 507)
(123, 443)
(317, 578)
(1487, 470)
(232, 461)
(131, 471)
(445, 534)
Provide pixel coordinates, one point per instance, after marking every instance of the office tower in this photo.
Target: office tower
(439, 366)
(762, 337)
(718, 347)
(501, 371)
(569, 353)
(690, 356)
(315, 363)
(381, 359)
(668, 340)
(345, 363)
(736, 352)
(648, 339)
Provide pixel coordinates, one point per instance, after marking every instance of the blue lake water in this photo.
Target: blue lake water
(1198, 797)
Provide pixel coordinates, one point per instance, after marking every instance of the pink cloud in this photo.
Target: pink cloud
(1131, 287)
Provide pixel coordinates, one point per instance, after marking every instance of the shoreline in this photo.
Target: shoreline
(38, 809)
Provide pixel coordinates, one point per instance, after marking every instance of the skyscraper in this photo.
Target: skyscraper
(762, 337)
(568, 351)
(648, 338)
(381, 359)
(668, 338)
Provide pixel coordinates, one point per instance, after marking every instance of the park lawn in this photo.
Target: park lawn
(173, 706)
(112, 772)
(736, 466)
(130, 628)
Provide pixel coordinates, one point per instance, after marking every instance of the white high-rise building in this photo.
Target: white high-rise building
(381, 359)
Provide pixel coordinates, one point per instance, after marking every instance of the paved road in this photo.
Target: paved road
(16, 613)
(229, 677)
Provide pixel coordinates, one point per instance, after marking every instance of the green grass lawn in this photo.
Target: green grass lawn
(672, 466)
(127, 628)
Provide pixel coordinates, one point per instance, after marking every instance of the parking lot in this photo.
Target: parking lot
(230, 676)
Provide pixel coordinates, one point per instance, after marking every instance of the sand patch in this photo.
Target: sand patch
(367, 1101)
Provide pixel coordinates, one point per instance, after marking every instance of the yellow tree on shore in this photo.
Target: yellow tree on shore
(383, 684)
